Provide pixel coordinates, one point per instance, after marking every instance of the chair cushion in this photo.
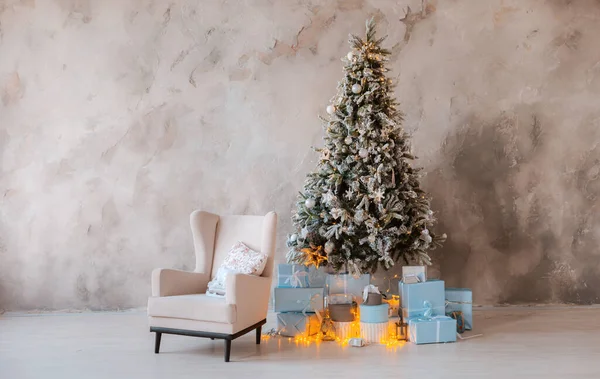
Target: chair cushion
(193, 307)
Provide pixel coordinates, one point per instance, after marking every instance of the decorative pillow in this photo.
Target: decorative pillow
(241, 259)
(244, 260)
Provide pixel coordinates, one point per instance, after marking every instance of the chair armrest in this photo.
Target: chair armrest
(168, 282)
(249, 293)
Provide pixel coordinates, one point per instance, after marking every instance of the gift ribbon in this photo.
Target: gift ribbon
(295, 278)
(309, 303)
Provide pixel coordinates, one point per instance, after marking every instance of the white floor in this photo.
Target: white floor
(517, 343)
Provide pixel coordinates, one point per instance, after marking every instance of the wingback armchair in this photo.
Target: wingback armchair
(179, 304)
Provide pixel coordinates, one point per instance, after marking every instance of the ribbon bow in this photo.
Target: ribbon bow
(295, 278)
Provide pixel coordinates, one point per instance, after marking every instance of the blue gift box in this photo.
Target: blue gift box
(349, 285)
(461, 299)
(317, 277)
(374, 313)
(292, 324)
(422, 299)
(435, 329)
(292, 275)
(298, 299)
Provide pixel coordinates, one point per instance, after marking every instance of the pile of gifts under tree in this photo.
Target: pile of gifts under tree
(312, 304)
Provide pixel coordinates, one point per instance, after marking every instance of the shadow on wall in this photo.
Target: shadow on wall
(520, 222)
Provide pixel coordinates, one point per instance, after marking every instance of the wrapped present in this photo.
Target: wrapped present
(371, 295)
(345, 330)
(339, 299)
(372, 314)
(422, 299)
(298, 299)
(436, 329)
(461, 299)
(348, 285)
(317, 277)
(292, 324)
(292, 276)
(414, 274)
(342, 312)
(375, 332)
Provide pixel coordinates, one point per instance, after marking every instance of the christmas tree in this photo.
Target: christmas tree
(363, 206)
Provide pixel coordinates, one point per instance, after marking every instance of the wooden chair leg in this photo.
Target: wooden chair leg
(258, 334)
(157, 342)
(227, 350)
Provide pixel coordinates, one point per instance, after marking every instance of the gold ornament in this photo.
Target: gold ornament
(314, 256)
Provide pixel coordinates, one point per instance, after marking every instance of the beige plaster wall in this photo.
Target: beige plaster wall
(118, 118)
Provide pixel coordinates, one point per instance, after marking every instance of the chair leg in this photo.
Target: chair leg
(258, 333)
(157, 342)
(227, 350)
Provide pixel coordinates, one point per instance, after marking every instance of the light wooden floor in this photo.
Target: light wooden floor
(517, 343)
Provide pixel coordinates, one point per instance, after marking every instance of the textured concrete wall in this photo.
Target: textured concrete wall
(117, 118)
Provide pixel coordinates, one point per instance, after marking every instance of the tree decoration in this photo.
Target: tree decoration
(363, 207)
(330, 109)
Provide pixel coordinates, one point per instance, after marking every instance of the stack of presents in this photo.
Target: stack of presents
(308, 301)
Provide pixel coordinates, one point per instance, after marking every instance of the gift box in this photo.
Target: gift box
(414, 274)
(435, 329)
(341, 312)
(375, 332)
(317, 277)
(339, 299)
(460, 300)
(372, 314)
(292, 324)
(345, 330)
(422, 299)
(349, 285)
(298, 299)
(292, 276)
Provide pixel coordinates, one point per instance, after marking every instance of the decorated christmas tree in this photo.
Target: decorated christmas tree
(363, 206)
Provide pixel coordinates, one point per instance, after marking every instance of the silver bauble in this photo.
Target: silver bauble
(348, 140)
(363, 153)
(357, 88)
(293, 237)
(350, 56)
(329, 247)
(330, 109)
(310, 203)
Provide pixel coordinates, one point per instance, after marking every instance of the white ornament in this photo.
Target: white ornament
(350, 56)
(329, 247)
(293, 237)
(357, 88)
(363, 153)
(330, 109)
(430, 212)
(425, 232)
(348, 140)
(428, 239)
(304, 232)
(444, 236)
(310, 203)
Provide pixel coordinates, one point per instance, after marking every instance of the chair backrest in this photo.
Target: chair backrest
(214, 235)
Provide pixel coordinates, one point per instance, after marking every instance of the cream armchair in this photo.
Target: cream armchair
(179, 305)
